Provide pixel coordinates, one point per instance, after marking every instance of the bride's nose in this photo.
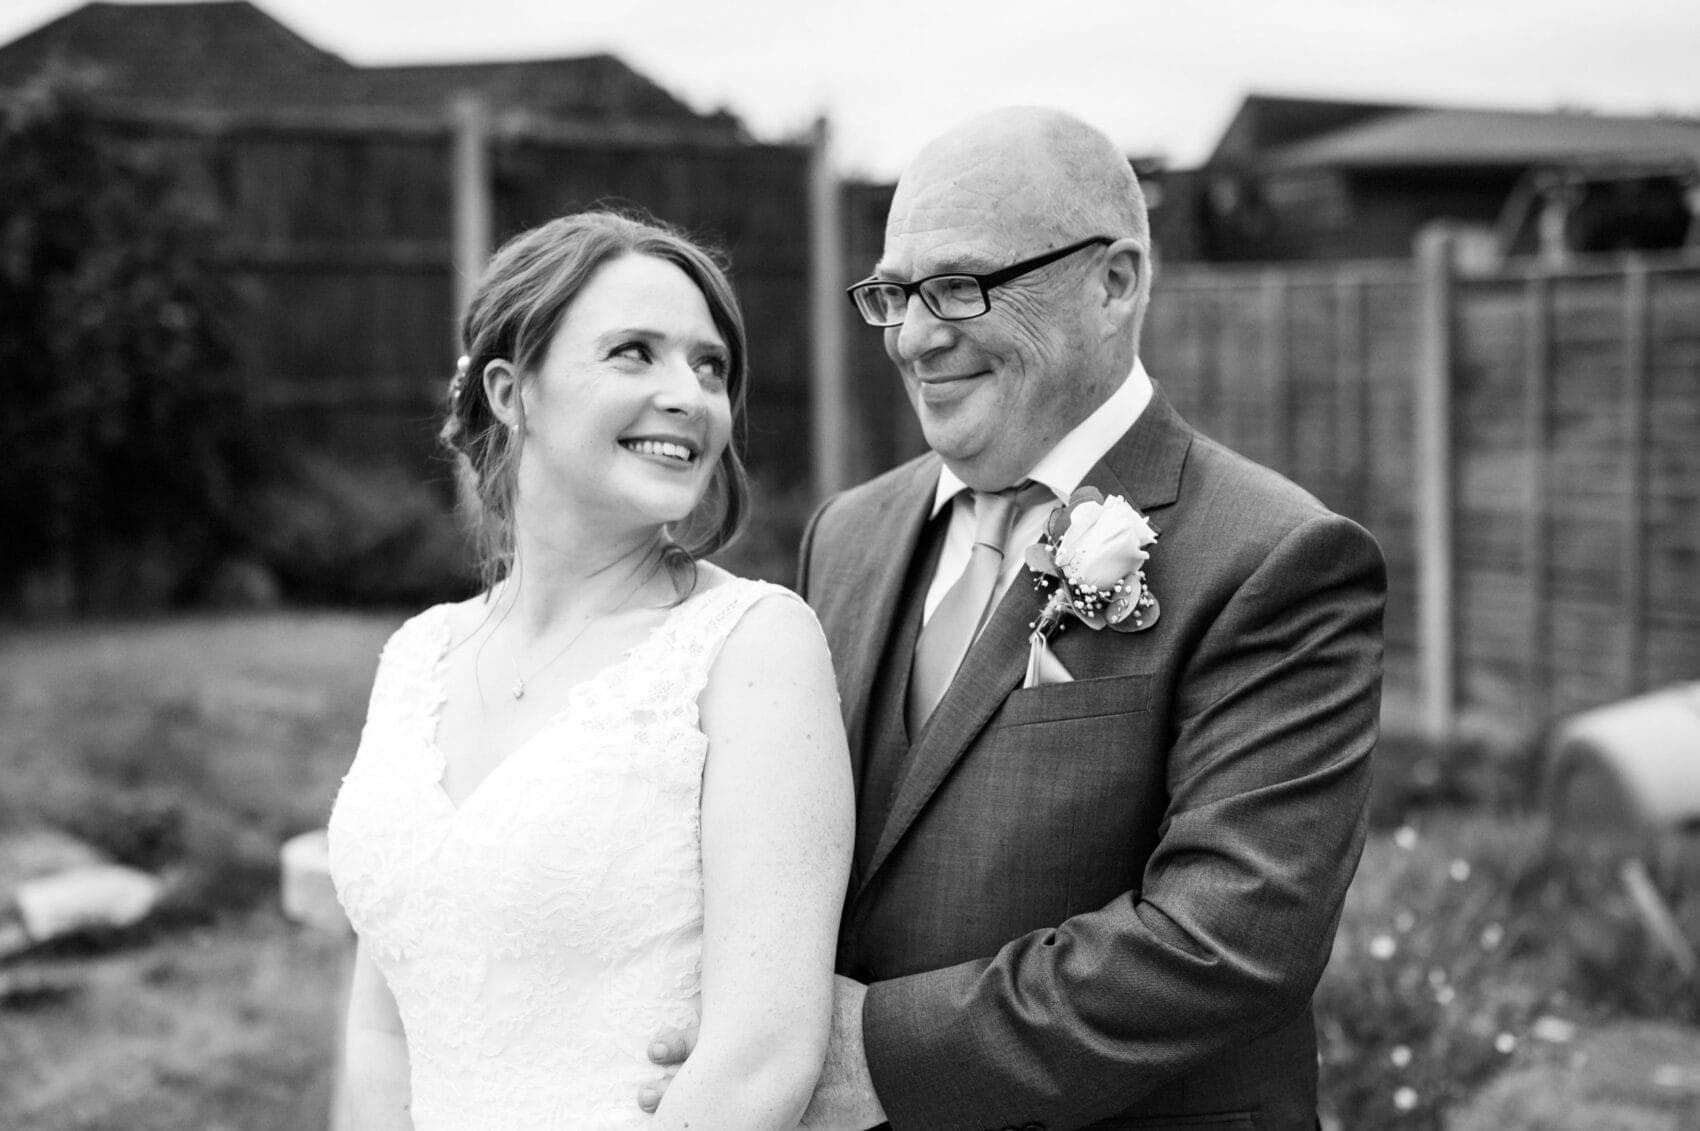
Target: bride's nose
(679, 389)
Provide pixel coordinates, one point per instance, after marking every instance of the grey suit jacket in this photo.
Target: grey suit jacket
(1107, 902)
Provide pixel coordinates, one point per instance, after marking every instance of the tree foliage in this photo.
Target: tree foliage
(122, 407)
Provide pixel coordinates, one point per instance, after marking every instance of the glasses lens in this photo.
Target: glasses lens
(954, 296)
(881, 304)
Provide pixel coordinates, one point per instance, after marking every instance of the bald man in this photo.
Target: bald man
(1100, 894)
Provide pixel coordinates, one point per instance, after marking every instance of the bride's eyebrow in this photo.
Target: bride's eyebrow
(628, 333)
(651, 337)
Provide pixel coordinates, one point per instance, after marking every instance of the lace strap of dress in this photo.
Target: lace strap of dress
(703, 626)
(407, 688)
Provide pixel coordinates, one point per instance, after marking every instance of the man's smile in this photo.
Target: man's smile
(942, 388)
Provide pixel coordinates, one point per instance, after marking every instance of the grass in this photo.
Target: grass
(228, 1024)
(195, 746)
(191, 747)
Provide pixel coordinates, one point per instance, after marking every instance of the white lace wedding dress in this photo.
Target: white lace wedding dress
(539, 936)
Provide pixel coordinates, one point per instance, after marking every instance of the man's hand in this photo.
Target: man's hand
(669, 1050)
(844, 1097)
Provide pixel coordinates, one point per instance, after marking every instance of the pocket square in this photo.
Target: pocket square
(1043, 667)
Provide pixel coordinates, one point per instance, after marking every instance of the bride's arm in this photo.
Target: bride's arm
(374, 1092)
(777, 814)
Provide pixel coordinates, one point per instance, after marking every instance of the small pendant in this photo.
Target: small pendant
(518, 689)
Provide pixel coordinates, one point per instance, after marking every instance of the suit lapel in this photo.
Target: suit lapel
(1144, 466)
(993, 666)
(879, 559)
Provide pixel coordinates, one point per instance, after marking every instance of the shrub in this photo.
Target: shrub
(121, 412)
(1476, 772)
(336, 532)
(1467, 928)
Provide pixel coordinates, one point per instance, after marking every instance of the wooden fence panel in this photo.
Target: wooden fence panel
(885, 422)
(752, 203)
(1309, 373)
(338, 239)
(1670, 507)
(1574, 454)
(1388, 509)
(1562, 451)
(1552, 440)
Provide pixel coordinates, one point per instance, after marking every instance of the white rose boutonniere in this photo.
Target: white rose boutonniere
(1092, 557)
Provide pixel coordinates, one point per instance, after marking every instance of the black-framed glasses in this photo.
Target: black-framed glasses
(952, 297)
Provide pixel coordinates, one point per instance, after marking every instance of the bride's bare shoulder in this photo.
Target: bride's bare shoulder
(710, 577)
(466, 619)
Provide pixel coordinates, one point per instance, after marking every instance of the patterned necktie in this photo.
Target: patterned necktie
(951, 629)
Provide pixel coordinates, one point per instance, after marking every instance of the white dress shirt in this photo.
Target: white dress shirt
(1061, 470)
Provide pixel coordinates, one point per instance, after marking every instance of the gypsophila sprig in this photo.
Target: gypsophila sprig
(1091, 557)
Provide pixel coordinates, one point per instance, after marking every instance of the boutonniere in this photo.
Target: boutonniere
(1091, 558)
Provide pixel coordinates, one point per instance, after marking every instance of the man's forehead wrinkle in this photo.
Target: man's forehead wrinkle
(946, 235)
(970, 219)
(922, 251)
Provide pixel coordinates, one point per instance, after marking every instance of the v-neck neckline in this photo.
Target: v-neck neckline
(569, 700)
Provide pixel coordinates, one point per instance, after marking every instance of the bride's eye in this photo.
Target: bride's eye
(714, 368)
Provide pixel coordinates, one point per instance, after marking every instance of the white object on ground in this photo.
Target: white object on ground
(97, 895)
(308, 895)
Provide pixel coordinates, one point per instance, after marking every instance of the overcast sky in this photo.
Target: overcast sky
(1161, 78)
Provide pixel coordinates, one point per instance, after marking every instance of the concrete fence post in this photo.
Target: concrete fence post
(469, 119)
(1435, 497)
(832, 423)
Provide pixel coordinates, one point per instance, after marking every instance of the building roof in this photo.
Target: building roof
(1265, 122)
(1275, 132)
(588, 86)
(168, 50)
(231, 56)
(1453, 138)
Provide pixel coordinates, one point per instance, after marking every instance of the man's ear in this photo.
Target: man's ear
(1123, 287)
(501, 389)
(1123, 266)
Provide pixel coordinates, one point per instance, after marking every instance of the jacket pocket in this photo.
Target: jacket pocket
(1214, 1120)
(1077, 699)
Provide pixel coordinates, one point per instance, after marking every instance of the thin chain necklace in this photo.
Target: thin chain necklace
(518, 688)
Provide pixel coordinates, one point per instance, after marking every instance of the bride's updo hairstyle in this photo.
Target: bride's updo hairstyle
(520, 302)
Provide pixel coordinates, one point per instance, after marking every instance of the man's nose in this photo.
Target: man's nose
(921, 331)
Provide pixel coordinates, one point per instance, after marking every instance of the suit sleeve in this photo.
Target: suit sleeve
(806, 550)
(1273, 718)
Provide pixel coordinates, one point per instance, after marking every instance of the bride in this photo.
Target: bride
(609, 796)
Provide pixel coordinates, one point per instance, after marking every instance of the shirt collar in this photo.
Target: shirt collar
(1064, 467)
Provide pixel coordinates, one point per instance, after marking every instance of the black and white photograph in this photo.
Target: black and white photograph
(782, 565)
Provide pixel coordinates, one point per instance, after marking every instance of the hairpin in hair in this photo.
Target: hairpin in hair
(458, 381)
